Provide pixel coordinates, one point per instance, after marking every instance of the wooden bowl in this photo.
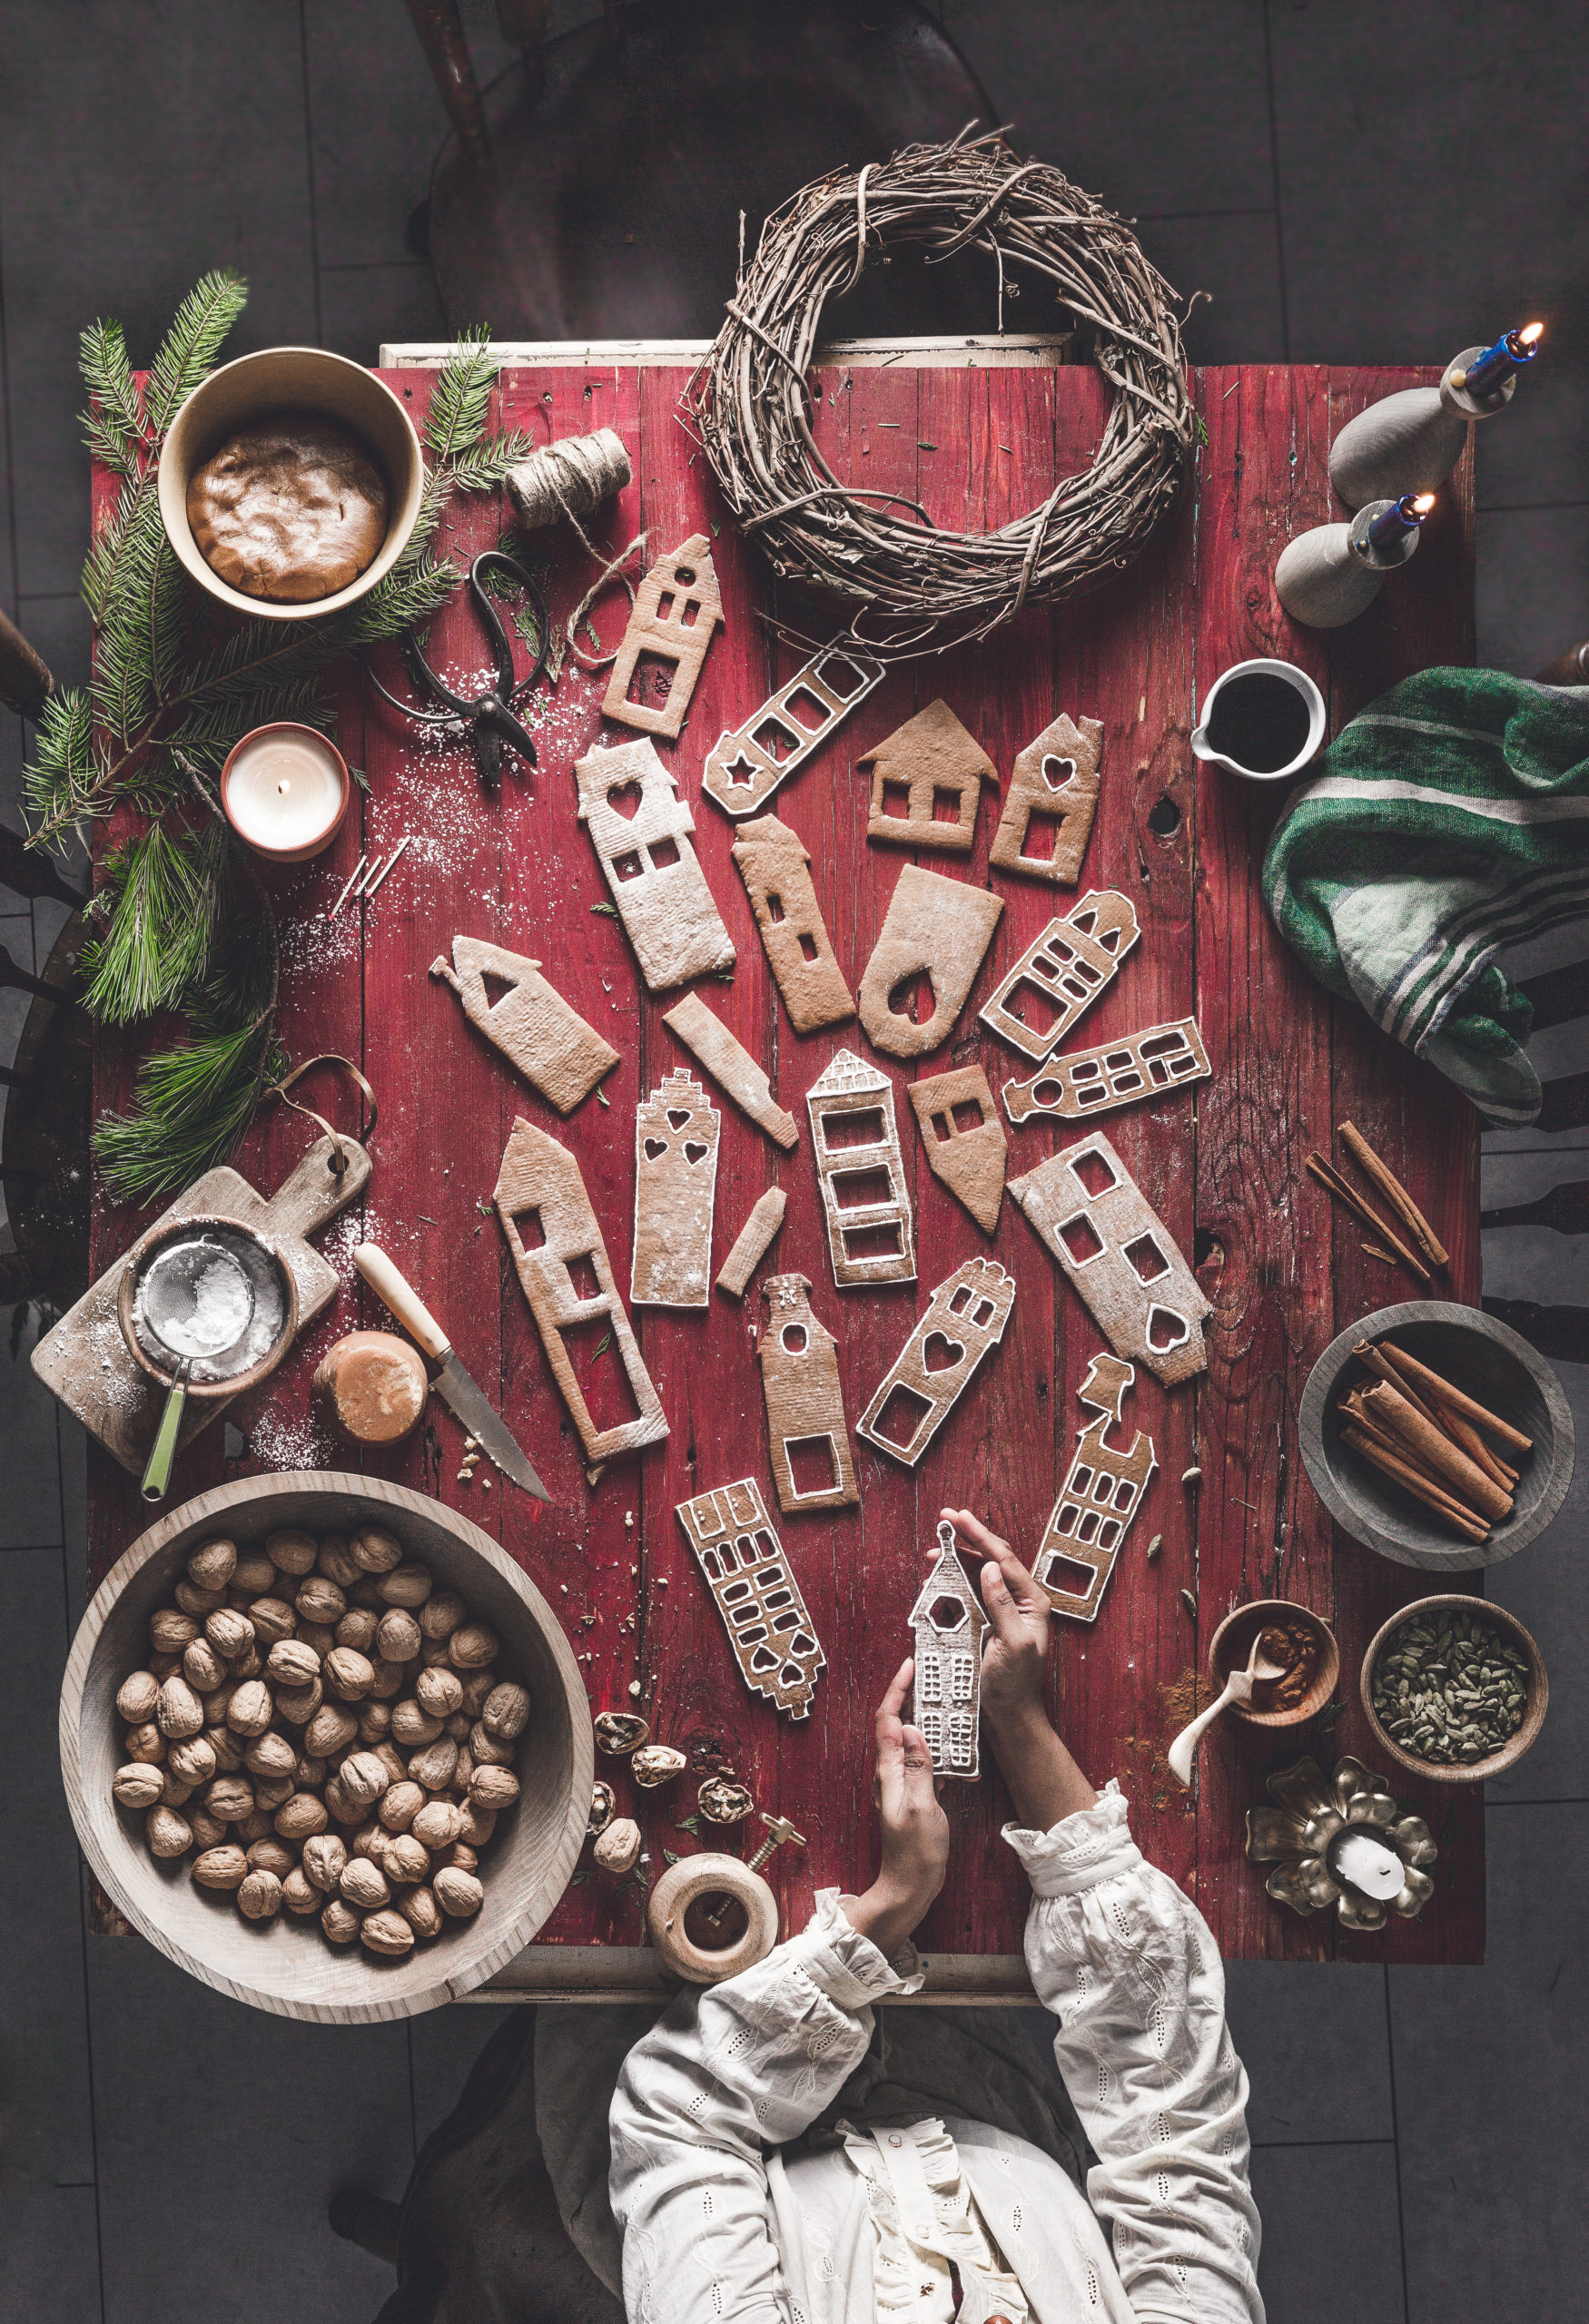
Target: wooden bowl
(1477, 1353)
(299, 378)
(182, 1231)
(1536, 1691)
(1232, 1642)
(285, 1965)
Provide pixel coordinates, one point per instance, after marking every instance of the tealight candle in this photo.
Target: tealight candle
(285, 790)
(1492, 369)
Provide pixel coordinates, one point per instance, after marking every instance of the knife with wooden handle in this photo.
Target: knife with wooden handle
(456, 1388)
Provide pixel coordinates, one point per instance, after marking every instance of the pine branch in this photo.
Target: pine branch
(193, 342)
(460, 400)
(159, 901)
(190, 1108)
(113, 422)
(485, 468)
(57, 787)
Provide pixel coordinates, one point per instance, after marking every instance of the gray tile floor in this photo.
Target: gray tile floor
(1385, 180)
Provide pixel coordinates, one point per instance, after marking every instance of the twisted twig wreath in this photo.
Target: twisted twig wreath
(914, 587)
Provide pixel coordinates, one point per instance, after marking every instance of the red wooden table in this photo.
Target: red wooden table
(1221, 1163)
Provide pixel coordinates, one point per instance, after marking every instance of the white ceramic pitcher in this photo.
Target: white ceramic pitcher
(1265, 667)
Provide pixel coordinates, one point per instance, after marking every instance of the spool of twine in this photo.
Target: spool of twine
(571, 478)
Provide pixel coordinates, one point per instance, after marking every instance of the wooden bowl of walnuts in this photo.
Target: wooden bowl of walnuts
(326, 1746)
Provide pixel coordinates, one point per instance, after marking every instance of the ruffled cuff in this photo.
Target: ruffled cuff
(847, 1966)
(1080, 1850)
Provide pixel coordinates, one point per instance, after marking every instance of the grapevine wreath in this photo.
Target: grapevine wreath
(914, 586)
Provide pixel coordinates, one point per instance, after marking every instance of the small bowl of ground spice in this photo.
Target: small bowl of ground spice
(1300, 1641)
(1454, 1689)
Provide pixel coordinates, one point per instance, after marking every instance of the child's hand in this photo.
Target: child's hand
(915, 1830)
(1015, 1655)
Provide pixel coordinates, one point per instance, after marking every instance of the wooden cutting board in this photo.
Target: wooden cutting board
(85, 1360)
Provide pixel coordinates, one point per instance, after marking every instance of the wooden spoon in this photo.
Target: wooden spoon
(1239, 1688)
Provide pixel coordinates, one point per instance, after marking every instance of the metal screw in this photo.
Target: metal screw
(779, 1829)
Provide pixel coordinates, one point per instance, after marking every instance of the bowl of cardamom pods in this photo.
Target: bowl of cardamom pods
(1454, 1689)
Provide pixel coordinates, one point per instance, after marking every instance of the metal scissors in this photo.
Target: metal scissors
(488, 719)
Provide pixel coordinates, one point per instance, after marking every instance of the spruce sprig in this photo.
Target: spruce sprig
(182, 923)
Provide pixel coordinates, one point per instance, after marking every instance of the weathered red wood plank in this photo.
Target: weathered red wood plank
(1222, 1164)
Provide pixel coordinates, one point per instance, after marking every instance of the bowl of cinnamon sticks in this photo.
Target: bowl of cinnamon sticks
(1435, 1435)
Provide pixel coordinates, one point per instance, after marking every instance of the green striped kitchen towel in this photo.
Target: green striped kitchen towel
(1447, 821)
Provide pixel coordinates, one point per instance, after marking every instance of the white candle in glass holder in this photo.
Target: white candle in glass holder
(285, 790)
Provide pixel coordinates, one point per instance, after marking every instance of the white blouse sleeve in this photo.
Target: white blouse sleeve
(1129, 1966)
(723, 2075)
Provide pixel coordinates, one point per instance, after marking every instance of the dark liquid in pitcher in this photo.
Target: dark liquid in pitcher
(1259, 722)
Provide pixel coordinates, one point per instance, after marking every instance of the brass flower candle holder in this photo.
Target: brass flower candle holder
(1342, 1841)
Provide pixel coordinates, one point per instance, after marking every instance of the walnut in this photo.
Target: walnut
(479, 1824)
(339, 1807)
(459, 1894)
(298, 1895)
(357, 1629)
(507, 1710)
(405, 1860)
(397, 1637)
(363, 1777)
(335, 1561)
(419, 1909)
(164, 1666)
(374, 1721)
(412, 1725)
(323, 1859)
(406, 1585)
(389, 1680)
(179, 1712)
(439, 1691)
(487, 1749)
(292, 1551)
(227, 1747)
(392, 1761)
(170, 1632)
(339, 1922)
(331, 1730)
(617, 1849)
(207, 1833)
(471, 1646)
(173, 1792)
(618, 1732)
(435, 1766)
(436, 1823)
(146, 1742)
(375, 1551)
(137, 1785)
(309, 1774)
(657, 1764)
(203, 1668)
(493, 1789)
(229, 1799)
(198, 1603)
(252, 1709)
(462, 1854)
(251, 1828)
(604, 1801)
(349, 1673)
(320, 1636)
(258, 1898)
(253, 1575)
(478, 1687)
(291, 1662)
(457, 1727)
(387, 1932)
(399, 1804)
(298, 1704)
(137, 1695)
(319, 1600)
(223, 1867)
(192, 1761)
(300, 1815)
(440, 1615)
(364, 1884)
(248, 1664)
(270, 1755)
(270, 1856)
(212, 1566)
(722, 1802)
(229, 1632)
(167, 1832)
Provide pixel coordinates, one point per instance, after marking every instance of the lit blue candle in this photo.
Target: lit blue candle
(1399, 517)
(1496, 365)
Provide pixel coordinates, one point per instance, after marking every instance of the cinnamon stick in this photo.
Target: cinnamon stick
(1473, 1444)
(1395, 1193)
(1353, 1410)
(1368, 1355)
(1432, 1384)
(1441, 1503)
(1333, 1183)
(1392, 1410)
